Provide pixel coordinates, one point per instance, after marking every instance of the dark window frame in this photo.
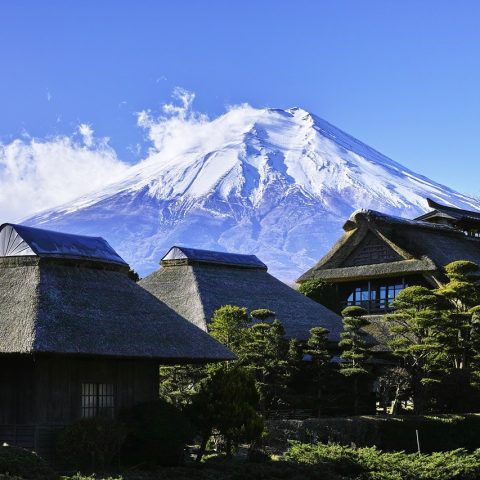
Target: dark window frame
(97, 399)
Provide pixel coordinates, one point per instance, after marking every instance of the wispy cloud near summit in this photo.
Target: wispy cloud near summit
(38, 174)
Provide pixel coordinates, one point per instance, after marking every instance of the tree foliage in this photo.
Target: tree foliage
(229, 326)
(227, 404)
(320, 362)
(436, 334)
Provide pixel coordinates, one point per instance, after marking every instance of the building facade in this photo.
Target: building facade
(79, 338)
(379, 255)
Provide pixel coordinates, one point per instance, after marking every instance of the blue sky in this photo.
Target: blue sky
(402, 76)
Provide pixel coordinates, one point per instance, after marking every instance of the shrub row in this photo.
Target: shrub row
(437, 433)
(329, 462)
(373, 464)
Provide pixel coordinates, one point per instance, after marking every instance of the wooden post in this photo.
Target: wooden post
(418, 443)
(369, 296)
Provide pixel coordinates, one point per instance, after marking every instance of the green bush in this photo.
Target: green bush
(341, 459)
(437, 433)
(17, 462)
(92, 443)
(373, 464)
(156, 434)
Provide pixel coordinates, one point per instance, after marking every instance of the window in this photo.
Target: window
(360, 296)
(97, 400)
(375, 298)
(387, 295)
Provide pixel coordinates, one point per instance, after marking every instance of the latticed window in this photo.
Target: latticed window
(375, 297)
(97, 400)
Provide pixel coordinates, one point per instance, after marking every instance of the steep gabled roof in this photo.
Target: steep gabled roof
(196, 255)
(20, 240)
(421, 247)
(196, 290)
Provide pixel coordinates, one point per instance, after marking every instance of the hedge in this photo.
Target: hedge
(437, 433)
(373, 464)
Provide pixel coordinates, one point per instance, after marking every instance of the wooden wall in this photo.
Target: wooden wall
(58, 384)
(40, 394)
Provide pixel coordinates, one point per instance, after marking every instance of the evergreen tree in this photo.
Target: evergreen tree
(320, 362)
(265, 354)
(179, 382)
(356, 351)
(229, 326)
(226, 404)
(461, 295)
(414, 327)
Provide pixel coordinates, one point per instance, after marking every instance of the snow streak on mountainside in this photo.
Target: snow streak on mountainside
(275, 183)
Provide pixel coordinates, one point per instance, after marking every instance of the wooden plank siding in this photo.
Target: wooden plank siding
(41, 394)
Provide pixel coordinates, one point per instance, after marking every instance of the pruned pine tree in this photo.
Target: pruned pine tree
(229, 326)
(265, 354)
(414, 327)
(179, 382)
(355, 349)
(227, 404)
(320, 362)
(460, 295)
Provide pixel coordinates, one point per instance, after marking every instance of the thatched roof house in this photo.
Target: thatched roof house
(379, 254)
(71, 294)
(78, 338)
(195, 283)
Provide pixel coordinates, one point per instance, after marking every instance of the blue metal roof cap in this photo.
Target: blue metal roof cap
(213, 257)
(20, 240)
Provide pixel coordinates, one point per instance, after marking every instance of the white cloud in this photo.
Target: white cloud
(86, 132)
(39, 174)
(180, 130)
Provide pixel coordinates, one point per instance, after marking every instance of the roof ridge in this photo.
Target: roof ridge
(215, 257)
(374, 215)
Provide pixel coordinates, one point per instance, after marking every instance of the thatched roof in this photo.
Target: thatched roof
(197, 288)
(86, 307)
(379, 333)
(409, 247)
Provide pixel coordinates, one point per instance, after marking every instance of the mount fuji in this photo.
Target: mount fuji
(275, 183)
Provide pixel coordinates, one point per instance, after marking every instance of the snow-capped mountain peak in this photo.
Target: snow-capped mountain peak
(276, 183)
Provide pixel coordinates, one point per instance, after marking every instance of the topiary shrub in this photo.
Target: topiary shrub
(460, 269)
(262, 314)
(90, 443)
(156, 434)
(16, 462)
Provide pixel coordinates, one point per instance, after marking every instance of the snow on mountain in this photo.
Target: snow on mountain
(276, 183)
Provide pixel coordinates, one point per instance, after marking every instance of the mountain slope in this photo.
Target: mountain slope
(276, 183)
